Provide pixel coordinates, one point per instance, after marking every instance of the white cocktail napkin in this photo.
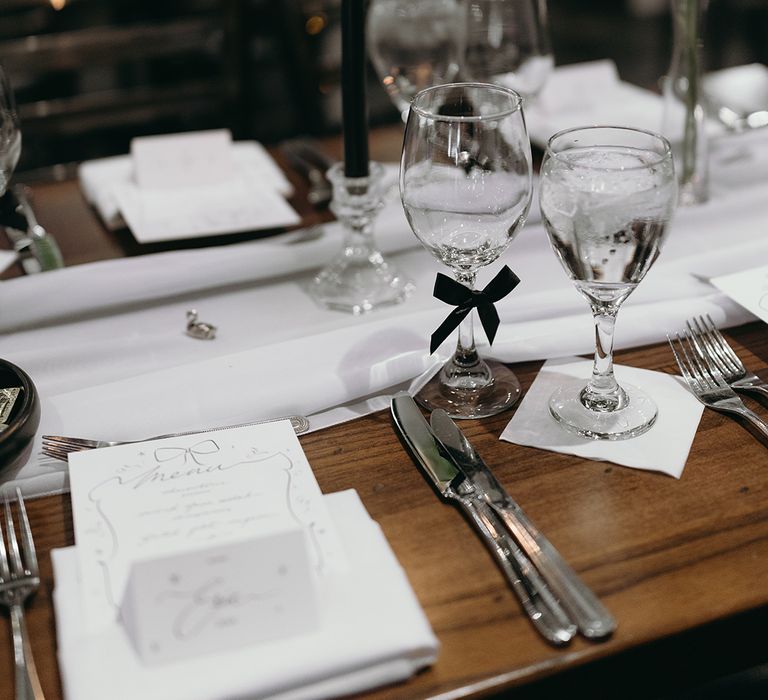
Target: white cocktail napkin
(664, 448)
(372, 632)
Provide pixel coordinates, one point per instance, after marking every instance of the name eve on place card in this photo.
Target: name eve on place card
(165, 497)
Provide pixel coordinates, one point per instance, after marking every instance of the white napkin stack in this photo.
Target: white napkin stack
(664, 448)
(372, 632)
(109, 184)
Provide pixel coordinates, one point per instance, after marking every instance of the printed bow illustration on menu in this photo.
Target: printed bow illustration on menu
(198, 450)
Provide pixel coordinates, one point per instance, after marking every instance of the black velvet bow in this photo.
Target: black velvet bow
(465, 299)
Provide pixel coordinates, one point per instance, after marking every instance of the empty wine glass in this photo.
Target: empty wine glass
(414, 45)
(465, 184)
(508, 43)
(607, 196)
(10, 133)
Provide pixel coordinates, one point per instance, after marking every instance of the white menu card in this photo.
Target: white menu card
(166, 497)
(748, 288)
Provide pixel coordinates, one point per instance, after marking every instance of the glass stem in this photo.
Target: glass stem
(466, 354)
(603, 393)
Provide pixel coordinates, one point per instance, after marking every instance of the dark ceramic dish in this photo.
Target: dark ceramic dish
(25, 416)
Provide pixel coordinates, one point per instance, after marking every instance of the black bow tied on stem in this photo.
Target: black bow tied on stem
(465, 299)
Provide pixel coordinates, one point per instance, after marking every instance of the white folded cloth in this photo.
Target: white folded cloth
(591, 93)
(100, 179)
(664, 448)
(372, 632)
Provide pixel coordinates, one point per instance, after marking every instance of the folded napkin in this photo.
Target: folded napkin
(101, 180)
(664, 448)
(589, 93)
(372, 632)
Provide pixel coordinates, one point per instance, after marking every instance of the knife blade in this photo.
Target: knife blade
(593, 619)
(537, 600)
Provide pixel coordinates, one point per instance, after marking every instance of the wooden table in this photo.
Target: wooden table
(682, 564)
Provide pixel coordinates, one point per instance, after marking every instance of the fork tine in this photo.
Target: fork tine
(81, 443)
(27, 543)
(63, 455)
(725, 350)
(14, 555)
(681, 363)
(711, 353)
(704, 372)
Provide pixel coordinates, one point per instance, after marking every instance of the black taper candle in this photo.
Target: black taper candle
(353, 103)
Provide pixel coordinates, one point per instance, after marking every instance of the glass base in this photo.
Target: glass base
(500, 394)
(359, 285)
(637, 416)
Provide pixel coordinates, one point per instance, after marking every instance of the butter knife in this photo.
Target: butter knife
(593, 619)
(537, 600)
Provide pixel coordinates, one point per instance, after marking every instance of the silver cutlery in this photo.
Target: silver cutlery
(715, 350)
(538, 602)
(590, 615)
(707, 383)
(19, 579)
(313, 164)
(59, 446)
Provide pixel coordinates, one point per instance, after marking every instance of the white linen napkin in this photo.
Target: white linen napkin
(664, 448)
(584, 94)
(101, 179)
(372, 632)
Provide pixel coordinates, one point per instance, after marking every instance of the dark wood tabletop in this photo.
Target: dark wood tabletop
(681, 564)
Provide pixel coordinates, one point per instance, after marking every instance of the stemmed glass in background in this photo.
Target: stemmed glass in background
(607, 196)
(507, 43)
(465, 183)
(414, 45)
(10, 133)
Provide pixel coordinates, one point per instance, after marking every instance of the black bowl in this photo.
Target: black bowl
(25, 415)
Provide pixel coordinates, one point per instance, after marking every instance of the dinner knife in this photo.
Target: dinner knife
(537, 600)
(591, 616)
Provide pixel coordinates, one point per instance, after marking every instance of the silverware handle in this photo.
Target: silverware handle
(27, 683)
(591, 616)
(757, 389)
(545, 613)
(760, 425)
(300, 425)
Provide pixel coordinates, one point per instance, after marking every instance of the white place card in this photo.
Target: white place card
(165, 497)
(182, 160)
(220, 598)
(748, 288)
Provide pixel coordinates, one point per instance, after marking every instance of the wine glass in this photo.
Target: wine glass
(10, 133)
(508, 43)
(414, 45)
(465, 184)
(607, 195)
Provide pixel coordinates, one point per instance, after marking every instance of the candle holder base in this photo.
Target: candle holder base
(358, 280)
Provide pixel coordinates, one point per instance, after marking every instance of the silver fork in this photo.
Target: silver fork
(19, 579)
(59, 446)
(708, 385)
(716, 351)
